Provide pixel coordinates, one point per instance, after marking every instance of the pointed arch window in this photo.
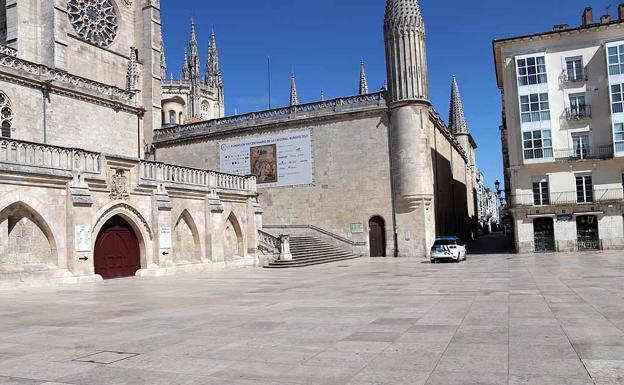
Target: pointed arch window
(6, 116)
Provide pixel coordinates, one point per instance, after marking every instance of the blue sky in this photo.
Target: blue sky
(324, 40)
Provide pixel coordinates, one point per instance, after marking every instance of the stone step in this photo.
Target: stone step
(308, 251)
(291, 264)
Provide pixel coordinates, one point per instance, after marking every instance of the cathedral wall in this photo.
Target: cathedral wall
(71, 122)
(451, 195)
(351, 172)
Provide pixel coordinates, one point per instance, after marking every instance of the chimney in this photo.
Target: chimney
(588, 17)
(561, 27)
(621, 12)
(605, 19)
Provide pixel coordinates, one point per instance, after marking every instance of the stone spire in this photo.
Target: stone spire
(406, 57)
(213, 70)
(457, 119)
(294, 98)
(194, 55)
(185, 67)
(132, 76)
(363, 80)
(163, 61)
(322, 95)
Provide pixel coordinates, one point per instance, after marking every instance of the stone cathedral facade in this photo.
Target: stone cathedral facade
(81, 94)
(379, 173)
(86, 108)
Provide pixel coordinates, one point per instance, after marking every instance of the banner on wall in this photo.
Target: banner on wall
(276, 160)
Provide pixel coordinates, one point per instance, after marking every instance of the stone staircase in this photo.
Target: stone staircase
(308, 251)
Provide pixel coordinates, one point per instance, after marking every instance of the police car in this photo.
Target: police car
(449, 248)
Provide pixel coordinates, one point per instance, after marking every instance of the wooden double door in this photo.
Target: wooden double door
(117, 250)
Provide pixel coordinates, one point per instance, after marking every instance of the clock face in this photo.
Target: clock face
(94, 20)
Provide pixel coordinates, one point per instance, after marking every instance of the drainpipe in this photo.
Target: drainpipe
(45, 91)
(395, 230)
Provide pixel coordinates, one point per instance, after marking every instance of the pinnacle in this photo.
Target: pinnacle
(457, 118)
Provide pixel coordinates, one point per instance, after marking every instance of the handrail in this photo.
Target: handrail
(319, 230)
(568, 198)
(270, 242)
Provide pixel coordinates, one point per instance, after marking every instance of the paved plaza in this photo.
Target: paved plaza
(495, 319)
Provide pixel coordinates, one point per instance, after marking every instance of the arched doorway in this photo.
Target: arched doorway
(377, 237)
(117, 250)
(544, 233)
(587, 233)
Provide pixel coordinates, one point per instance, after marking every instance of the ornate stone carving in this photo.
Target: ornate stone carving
(119, 186)
(126, 207)
(94, 20)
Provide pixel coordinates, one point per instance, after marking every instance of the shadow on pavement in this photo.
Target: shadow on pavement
(494, 243)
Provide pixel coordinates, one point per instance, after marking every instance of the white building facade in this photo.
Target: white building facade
(563, 135)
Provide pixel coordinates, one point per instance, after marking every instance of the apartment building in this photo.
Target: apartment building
(563, 134)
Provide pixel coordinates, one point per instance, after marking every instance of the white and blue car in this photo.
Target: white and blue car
(448, 248)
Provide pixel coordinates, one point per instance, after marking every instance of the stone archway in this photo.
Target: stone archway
(186, 246)
(137, 223)
(234, 247)
(117, 251)
(26, 237)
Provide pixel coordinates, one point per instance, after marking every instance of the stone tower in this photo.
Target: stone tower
(408, 98)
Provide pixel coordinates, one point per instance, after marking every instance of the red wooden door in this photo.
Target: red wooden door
(117, 251)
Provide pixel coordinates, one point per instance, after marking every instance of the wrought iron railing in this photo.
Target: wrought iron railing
(579, 113)
(584, 153)
(161, 172)
(21, 153)
(214, 125)
(568, 198)
(579, 75)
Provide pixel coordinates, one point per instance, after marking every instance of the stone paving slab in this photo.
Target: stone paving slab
(495, 319)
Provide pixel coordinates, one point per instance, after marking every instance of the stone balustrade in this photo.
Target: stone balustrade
(254, 118)
(161, 172)
(6, 50)
(29, 154)
(8, 59)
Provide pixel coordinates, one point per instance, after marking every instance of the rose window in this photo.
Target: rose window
(94, 20)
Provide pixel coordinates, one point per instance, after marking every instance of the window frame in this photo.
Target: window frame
(615, 67)
(541, 192)
(530, 101)
(531, 73)
(585, 189)
(578, 72)
(544, 136)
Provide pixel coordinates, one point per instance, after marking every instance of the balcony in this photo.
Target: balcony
(568, 198)
(584, 153)
(579, 75)
(578, 113)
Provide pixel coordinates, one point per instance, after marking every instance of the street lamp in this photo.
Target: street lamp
(497, 185)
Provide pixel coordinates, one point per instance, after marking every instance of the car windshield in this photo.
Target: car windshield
(445, 242)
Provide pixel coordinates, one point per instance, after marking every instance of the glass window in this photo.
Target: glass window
(541, 193)
(578, 106)
(532, 70)
(584, 189)
(618, 136)
(172, 117)
(537, 144)
(534, 108)
(616, 60)
(617, 105)
(574, 69)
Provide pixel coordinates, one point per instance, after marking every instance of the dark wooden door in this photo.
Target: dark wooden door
(117, 251)
(377, 237)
